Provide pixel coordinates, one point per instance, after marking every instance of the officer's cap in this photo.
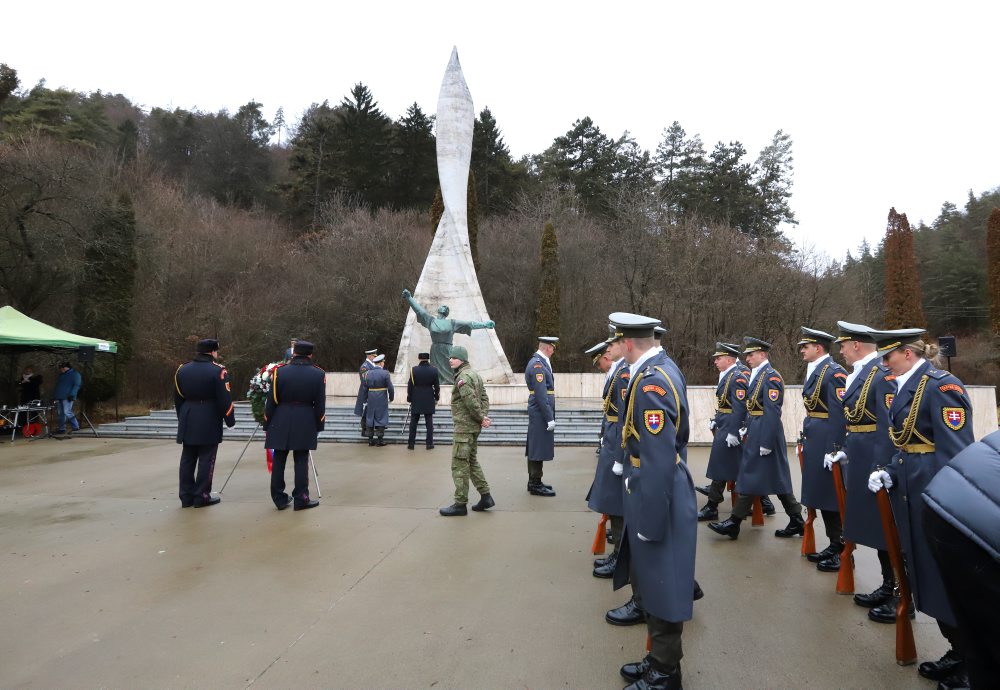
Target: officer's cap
(459, 352)
(424, 355)
(755, 345)
(302, 347)
(889, 341)
(206, 345)
(371, 352)
(380, 358)
(811, 336)
(854, 331)
(548, 339)
(627, 325)
(726, 350)
(597, 351)
(658, 332)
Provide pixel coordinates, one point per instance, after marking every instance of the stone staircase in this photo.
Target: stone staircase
(510, 426)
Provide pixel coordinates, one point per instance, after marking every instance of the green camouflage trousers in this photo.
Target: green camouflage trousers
(464, 466)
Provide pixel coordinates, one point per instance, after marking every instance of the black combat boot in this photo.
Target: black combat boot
(767, 506)
(709, 512)
(829, 551)
(608, 569)
(796, 527)
(485, 503)
(958, 680)
(727, 528)
(886, 613)
(943, 667)
(703, 490)
(540, 489)
(654, 679)
(453, 510)
(636, 670)
(879, 596)
(629, 613)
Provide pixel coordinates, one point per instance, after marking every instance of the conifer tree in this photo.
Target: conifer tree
(437, 210)
(903, 298)
(993, 260)
(547, 313)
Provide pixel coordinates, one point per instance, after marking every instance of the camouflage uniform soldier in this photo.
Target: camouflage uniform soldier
(469, 408)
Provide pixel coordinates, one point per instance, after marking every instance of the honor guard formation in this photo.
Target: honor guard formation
(886, 455)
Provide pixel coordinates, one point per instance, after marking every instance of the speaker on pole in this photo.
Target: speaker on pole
(86, 353)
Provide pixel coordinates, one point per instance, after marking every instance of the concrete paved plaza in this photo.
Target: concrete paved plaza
(105, 582)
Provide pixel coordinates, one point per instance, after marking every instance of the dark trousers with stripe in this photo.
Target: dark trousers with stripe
(196, 488)
(300, 493)
(428, 425)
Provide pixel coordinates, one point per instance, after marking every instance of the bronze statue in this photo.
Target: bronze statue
(443, 331)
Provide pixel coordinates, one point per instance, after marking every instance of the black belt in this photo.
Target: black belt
(198, 402)
(297, 403)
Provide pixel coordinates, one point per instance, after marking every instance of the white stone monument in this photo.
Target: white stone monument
(449, 276)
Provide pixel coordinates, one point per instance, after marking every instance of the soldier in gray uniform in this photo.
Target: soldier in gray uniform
(764, 463)
(359, 404)
(378, 393)
(823, 431)
(605, 495)
(869, 391)
(730, 417)
(470, 408)
(541, 445)
(658, 545)
(930, 422)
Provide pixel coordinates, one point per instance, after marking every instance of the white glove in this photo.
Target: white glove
(551, 425)
(831, 458)
(626, 483)
(765, 451)
(618, 468)
(878, 479)
(732, 441)
(743, 433)
(711, 425)
(641, 538)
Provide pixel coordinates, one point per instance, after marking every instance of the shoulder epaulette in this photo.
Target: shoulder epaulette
(936, 373)
(890, 377)
(840, 374)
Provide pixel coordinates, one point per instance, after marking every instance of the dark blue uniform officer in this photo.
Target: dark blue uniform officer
(823, 431)
(730, 417)
(930, 422)
(377, 392)
(294, 415)
(423, 391)
(540, 446)
(359, 402)
(658, 545)
(203, 401)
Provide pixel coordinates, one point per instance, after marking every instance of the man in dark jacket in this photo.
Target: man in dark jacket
(66, 391)
(294, 414)
(203, 401)
(422, 392)
(963, 529)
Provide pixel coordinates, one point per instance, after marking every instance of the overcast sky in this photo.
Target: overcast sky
(887, 103)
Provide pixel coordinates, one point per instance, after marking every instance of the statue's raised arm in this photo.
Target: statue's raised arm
(443, 330)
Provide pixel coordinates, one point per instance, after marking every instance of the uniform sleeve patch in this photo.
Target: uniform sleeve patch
(228, 388)
(840, 393)
(742, 380)
(653, 420)
(460, 383)
(951, 387)
(890, 377)
(539, 377)
(840, 375)
(626, 374)
(651, 388)
(888, 400)
(776, 379)
(954, 417)
(740, 394)
(624, 393)
(773, 395)
(539, 366)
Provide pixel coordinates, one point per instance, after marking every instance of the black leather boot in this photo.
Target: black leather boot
(608, 569)
(829, 551)
(886, 613)
(485, 503)
(540, 490)
(795, 527)
(709, 512)
(453, 510)
(767, 506)
(943, 667)
(958, 680)
(879, 596)
(629, 613)
(698, 592)
(703, 490)
(636, 670)
(654, 679)
(609, 536)
(830, 565)
(727, 528)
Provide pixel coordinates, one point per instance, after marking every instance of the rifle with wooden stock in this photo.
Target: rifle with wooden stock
(601, 538)
(808, 532)
(906, 649)
(845, 576)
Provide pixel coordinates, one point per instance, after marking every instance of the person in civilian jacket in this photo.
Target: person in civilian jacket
(423, 391)
(963, 531)
(294, 415)
(203, 400)
(930, 422)
(67, 390)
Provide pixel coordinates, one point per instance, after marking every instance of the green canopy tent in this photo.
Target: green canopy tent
(20, 333)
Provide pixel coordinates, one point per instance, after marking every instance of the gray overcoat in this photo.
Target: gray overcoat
(761, 475)
(606, 494)
(730, 416)
(823, 431)
(377, 392)
(541, 444)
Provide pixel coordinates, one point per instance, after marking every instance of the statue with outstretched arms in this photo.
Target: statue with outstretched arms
(443, 332)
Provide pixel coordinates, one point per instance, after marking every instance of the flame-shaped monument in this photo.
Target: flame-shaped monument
(449, 276)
